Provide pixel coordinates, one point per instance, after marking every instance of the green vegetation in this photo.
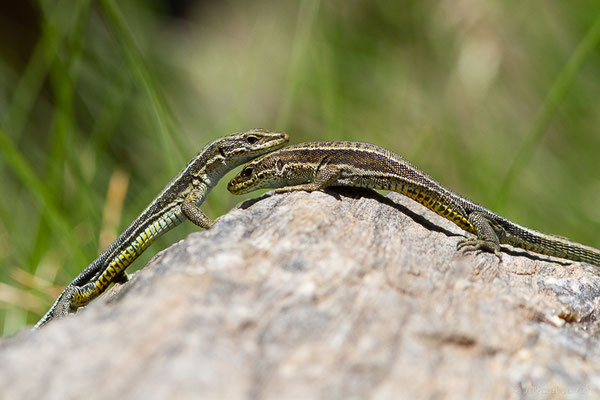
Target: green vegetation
(101, 103)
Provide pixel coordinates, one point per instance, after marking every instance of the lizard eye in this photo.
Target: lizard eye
(222, 152)
(279, 165)
(252, 139)
(246, 172)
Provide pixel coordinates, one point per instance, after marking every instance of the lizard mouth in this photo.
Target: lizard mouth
(275, 141)
(281, 139)
(239, 186)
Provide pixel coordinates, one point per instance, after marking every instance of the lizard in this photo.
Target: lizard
(317, 165)
(178, 201)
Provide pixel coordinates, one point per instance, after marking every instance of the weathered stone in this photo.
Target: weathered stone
(337, 295)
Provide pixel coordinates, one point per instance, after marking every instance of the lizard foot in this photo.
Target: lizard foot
(474, 244)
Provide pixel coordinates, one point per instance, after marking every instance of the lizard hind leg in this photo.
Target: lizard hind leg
(121, 277)
(487, 235)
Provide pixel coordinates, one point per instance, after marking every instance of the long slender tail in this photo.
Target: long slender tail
(551, 245)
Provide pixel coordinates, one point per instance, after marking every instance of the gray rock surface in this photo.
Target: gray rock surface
(339, 295)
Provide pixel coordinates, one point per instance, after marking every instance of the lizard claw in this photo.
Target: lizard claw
(473, 244)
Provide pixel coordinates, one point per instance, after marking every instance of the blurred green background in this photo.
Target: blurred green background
(101, 103)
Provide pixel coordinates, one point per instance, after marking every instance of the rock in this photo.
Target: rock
(339, 295)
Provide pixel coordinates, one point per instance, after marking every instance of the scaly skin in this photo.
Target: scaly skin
(318, 165)
(178, 200)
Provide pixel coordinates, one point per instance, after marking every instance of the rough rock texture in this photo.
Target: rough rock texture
(337, 295)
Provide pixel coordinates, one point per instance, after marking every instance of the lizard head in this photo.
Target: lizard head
(268, 171)
(241, 147)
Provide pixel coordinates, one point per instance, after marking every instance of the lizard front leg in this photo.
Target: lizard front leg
(325, 176)
(190, 209)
